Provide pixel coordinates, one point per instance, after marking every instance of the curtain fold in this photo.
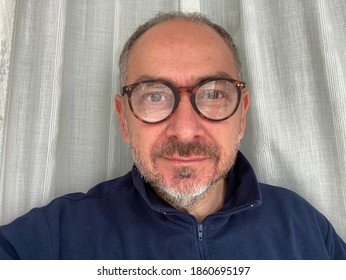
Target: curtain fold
(59, 132)
(7, 8)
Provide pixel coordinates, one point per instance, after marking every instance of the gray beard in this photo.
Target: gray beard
(189, 192)
(188, 196)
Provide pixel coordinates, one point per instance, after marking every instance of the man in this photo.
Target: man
(191, 194)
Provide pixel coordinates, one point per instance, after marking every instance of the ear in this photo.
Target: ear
(119, 108)
(245, 103)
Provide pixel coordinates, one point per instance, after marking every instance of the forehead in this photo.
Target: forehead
(180, 49)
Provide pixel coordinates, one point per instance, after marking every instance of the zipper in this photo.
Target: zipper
(200, 241)
(200, 232)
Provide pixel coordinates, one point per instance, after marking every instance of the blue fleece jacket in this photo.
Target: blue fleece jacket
(125, 219)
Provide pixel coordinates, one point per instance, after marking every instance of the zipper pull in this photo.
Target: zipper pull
(200, 231)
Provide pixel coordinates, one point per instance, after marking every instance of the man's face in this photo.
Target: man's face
(184, 156)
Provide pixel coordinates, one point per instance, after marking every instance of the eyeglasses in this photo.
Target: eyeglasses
(154, 101)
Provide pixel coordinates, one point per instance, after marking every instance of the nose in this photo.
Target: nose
(185, 124)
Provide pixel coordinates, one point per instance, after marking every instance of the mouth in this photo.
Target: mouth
(177, 154)
(191, 160)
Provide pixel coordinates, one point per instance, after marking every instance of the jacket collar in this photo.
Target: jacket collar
(243, 189)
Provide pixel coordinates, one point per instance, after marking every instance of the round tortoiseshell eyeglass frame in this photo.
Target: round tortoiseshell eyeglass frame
(192, 90)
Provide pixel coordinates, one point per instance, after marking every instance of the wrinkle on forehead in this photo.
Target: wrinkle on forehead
(191, 81)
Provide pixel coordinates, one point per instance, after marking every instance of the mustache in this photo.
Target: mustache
(196, 148)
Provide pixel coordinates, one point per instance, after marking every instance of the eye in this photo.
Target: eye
(212, 94)
(216, 94)
(155, 97)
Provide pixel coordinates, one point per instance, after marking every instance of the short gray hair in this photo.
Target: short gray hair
(163, 17)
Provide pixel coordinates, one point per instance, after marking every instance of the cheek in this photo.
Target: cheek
(225, 134)
(143, 138)
(227, 139)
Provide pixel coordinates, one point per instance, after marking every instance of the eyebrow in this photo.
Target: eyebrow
(194, 80)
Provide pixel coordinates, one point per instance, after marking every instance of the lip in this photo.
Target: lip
(185, 160)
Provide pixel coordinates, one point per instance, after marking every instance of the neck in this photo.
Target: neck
(210, 203)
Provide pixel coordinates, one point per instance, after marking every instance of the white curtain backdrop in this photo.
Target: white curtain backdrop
(58, 77)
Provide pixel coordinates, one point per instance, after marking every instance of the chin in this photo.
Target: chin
(182, 196)
(184, 188)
